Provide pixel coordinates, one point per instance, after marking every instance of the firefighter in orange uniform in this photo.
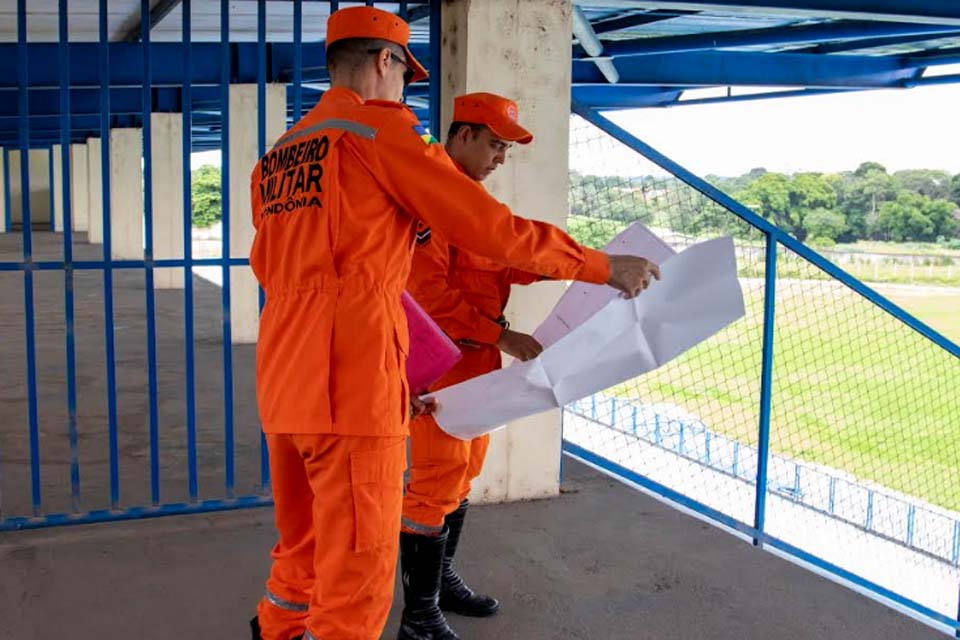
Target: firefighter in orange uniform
(466, 295)
(335, 204)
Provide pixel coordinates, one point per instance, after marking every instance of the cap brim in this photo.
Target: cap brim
(419, 72)
(511, 131)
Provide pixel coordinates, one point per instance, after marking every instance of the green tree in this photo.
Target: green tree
(927, 182)
(205, 196)
(789, 201)
(905, 218)
(826, 223)
(955, 189)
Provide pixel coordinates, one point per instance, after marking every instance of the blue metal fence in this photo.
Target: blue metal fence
(744, 481)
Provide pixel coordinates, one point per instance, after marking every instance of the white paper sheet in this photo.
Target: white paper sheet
(698, 295)
(581, 299)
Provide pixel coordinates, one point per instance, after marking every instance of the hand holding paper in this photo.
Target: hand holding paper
(698, 296)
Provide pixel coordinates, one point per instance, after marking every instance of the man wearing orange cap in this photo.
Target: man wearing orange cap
(466, 294)
(335, 205)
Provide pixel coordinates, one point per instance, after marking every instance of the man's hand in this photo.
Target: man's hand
(631, 274)
(422, 406)
(519, 345)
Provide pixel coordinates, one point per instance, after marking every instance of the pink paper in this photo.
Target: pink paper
(432, 353)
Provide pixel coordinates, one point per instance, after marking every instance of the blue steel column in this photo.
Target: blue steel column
(104, 51)
(766, 385)
(28, 266)
(65, 139)
(8, 222)
(297, 59)
(261, 150)
(188, 259)
(435, 94)
(225, 246)
(53, 200)
(148, 258)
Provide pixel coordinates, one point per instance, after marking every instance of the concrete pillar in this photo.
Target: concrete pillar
(244, 299)
(126, 193)
(39, 187)
(79, 187)
(4, 196)
(56, 183)
(482, 44)
(167, 169)
(95, 192)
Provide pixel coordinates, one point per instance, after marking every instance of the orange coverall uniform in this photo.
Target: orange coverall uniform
(465, 294)
(335, 204)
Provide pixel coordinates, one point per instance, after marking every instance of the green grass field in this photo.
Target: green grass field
(853, 388)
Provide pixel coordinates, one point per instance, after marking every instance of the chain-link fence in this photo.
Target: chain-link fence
(853, 466)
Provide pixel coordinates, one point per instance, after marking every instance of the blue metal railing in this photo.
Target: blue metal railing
(759, 476)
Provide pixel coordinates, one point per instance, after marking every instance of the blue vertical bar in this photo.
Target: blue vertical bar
(403, 15)
(7, 217)
(24, 111)
(766, 383)
(634, 419)
(334, 5)
(911, 523)
(657, 435)
(297, 59)
(736, 460)
(956, 543)
(147, 99)
(435, 97)
(261, 150)
(593, 406)
(104, 51)
(869, 521)
(707, 438)
(53, 200)
(613, 412)
(225, 246)
(188, 258)
(832, 499)
(64, 60)
(681, 448)
(796, 482)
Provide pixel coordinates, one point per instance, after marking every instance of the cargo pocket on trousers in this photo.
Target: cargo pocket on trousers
(376, 479)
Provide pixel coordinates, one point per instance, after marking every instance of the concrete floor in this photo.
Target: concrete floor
(603, 561)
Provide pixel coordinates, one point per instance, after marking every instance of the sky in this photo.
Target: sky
(902, 129)
(915, 128)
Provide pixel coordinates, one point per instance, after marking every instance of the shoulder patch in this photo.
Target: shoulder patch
(425, 135)
(423, 236)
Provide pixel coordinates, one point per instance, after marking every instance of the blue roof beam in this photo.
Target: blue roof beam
(126, 63)
(777, 36)
(723, 68)
(585, 35)
(159, 9)
(933, 11)
(635, 19)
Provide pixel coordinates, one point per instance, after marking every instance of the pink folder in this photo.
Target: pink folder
(432, 353)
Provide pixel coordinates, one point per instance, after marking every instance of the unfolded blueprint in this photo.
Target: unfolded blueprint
(589, 350)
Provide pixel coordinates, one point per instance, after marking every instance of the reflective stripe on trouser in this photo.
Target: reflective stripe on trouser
(348, 491)
(441, 471)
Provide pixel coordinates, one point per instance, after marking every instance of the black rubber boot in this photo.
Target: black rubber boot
(255, 630)
(421, 560)
(455, 595)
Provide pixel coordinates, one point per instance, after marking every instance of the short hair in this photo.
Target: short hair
(455, 128)
(352, 52)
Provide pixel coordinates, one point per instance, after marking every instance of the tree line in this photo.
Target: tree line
(870, 203)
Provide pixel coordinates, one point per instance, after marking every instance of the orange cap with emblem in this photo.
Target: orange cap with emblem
(369, 22)
(497, 113)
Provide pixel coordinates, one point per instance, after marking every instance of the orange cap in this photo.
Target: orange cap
(368, 22)
(495, 112)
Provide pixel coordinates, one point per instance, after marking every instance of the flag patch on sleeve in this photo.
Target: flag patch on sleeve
(425, 135)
